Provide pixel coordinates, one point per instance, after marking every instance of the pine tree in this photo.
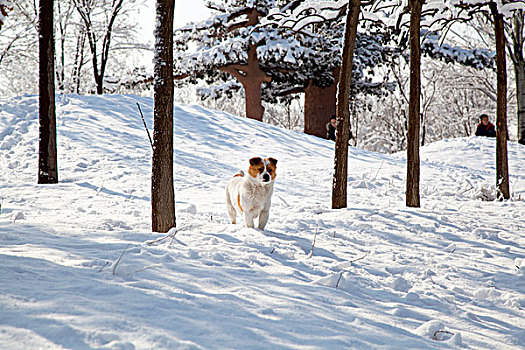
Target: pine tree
(273, 59)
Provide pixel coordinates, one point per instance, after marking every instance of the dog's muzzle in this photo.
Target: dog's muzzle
(266, 177)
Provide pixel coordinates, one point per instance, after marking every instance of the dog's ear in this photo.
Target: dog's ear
(273, 161)
(255, 161)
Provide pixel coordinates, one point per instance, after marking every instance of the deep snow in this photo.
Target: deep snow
(77, 272)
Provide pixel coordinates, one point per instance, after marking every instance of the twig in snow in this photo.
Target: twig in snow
(434, 337)
(273, 250)
(102, 268)
(361, 258)
(145, 126)
(339, 280)
(171, 233)
(120, 258)
(100, 189)
(468, 189)
(143, 269)
(378, 170)
(313, 243)
(281, 198)
(351, 261)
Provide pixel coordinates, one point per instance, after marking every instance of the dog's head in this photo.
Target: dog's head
(263, 170)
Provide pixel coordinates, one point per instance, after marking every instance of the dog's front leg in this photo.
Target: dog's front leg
(263, 219)
(248, 219)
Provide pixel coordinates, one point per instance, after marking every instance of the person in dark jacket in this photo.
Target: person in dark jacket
(331, 128)
(485, 128)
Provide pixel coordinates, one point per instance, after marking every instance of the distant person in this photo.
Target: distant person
(485, 127)
(331, 129)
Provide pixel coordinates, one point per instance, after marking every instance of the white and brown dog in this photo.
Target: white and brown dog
(251, 195)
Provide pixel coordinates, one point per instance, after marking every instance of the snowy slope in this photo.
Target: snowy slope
(77, 272)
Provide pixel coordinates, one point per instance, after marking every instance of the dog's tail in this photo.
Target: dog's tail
(240, 173)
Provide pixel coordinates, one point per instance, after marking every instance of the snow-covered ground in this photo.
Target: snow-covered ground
(77, 272)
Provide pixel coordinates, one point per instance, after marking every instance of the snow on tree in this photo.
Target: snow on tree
(269, 60)
(99, 18)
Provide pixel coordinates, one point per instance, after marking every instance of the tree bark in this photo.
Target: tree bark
(339, 184)
(519, 70)
(413, 161)
(251, 77)
(319, 106)
(162, 190)
(252, 81)
(502, 168)
(47, 145)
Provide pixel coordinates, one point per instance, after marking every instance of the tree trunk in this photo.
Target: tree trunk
(519, 70)
(162, 191)
(253, 99)
(251, 81)
(99, 80)
(412, 186)
(339, 185)
(319, 106)
(47, 145)
(502, 167)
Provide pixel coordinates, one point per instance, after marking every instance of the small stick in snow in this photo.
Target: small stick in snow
(378, 170)
(281, 198)
(351, 261)
(434, 337)
(361, 258)
(340, 276)
(120, 258)
(145, 126)
(102, 268)
(313, 243)
(171, 233)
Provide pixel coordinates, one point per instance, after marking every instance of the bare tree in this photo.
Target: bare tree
(47, 154)
(339, 184)
(64, 20)
(413, 161)
(86, 10)
(516, 46)
(162, 192)
(502, 167)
